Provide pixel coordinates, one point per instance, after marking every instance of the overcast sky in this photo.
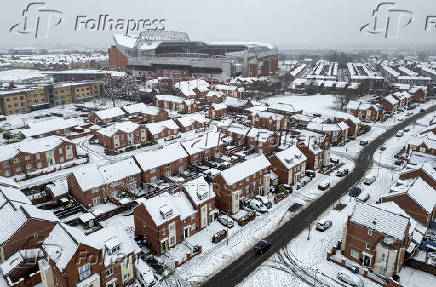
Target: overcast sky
(286, 23)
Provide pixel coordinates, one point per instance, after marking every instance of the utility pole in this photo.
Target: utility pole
(308, 233)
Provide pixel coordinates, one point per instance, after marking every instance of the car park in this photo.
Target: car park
(323, 225)
(261, 246)
(324, 186)
(350, 278)
(258, 205)
(355, 191)
(267, 203)
(369, 180)
(226, 221)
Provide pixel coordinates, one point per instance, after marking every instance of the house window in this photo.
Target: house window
(153, 179)
(61, 159)
(167, 165)
(38, 156)
(94, 189)
(7, 173)
(126, 277)
(16, 160)
(132, 177)
(84, 271)
(368, 246)
(168, 173)
(354, 254)
(153, 170)
(60, 150)
(114, 183)
(39, 165)
(5, 164)
(17, 168)
(109, 272)
(383, 257)
(163, 231)
(172, 240)
(29, 166)
(27, 157)
(96, 201)
(369, 231)
(389, 240)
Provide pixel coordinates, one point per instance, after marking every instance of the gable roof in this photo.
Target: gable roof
(127, 127)
(291, 157)
(155, 158)
(110, 113)
(142, 109)
(240, 171)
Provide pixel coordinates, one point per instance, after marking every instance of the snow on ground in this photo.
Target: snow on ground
(324, 104)
(415, 278)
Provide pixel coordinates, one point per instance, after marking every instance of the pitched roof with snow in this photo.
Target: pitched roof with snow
(199, 190)
(127, 127)
(240, 171)
(142, 109)
(384, 221)
(158, 127)
(200, 144)
(218, 107)
(190, 119)
(287, 108)
(291, 157)
(267, 115)
(110, 113)
(170, 98)
(428, 139)
(235, 102)
(119, 170)
(152, 159)
(88, 177)
(323, 127)
(47, 126)
(390, 99)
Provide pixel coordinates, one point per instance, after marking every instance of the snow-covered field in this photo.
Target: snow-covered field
(324, 104)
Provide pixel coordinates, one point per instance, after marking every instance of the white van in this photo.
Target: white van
(369, 180)
(144, 274)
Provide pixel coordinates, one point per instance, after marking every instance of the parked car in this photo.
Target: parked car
(400, 109)
(400, 133)
(265, 202)
(355, 191)
(144, 274)
(258, 205)
(324, 186)
(401, 119)
(323, 225)
(350, 278)
(310, 172)
(369, 180)
(406, 130)
(261, 247)
(363, 197)
(363, 142)
(398, 162)
(383, 148)
(409, 114)
(422, 110)
(226, 221)
(343, 172)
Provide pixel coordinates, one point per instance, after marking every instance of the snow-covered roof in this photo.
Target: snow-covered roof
(110, 113)
(119, 170)
(218, 107)
(200, 144)
(199, 190)
(235, 102)
(30, 146)
(240, 171)
(390, 99)
(19, 258)
(347, 116)
(384, 221)
(170, 98)
(152, 159)
(217, 94)
(158, 127)
(142, 109)
(199, 84)
(287, 108)
(402, 95)
(324, 127)
(47, 126)
(291, 157)
(127, 127)
(267, 115)
(88, 177)
(429, 139)
(166, 206)
(189, 119)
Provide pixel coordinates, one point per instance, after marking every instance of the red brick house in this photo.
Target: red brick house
(366, 112)
(49, 127)
(190, 122)
(313, 146)
(165, 220)
(215, 97)
(403, 98)
(141, 112)
(286, 110)
(241, 182)
(217, 111)
(162, 130)
(376, 238)
(107, 116)
(106, 257)
(235, 105)
(232, 91)
(165, 162)
(93, 185)
(353, 123)
(269, 121)
(426, 172)
(416, 198)
(176, 103)
(24, 225)
(419, 94)
(425, 143)
(205, 148)
(29, 156)
(389, 104)
(122, 135)
(289, 165)
(335, 133)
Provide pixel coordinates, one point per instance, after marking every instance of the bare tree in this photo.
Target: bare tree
(121, 88)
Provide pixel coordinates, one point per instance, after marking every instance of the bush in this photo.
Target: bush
(108, 151)
(130, 148)
(8, 135)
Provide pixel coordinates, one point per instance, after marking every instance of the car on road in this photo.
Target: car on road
(324, 186)
(383, 148)
(369, 180)
(422, 110)
(323, 225)
(258, 205)
(350, 278)
(265, 202)
(355, 191)
(363, 142)
(226, 221)
(400, 133)
(406, 130)
(261, 246)
(363, 197)
(343, 172)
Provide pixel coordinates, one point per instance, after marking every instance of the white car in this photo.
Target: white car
(350, 278)
(226, 221)
(400, 133)
(258, 205)
(144, 274)
(363, 196)
(369, 180)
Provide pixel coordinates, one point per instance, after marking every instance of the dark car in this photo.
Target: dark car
(363, 143)
(261, 247)
(323, 226)
(310, 172)
(355, 191)
(265, 202)
(383, 148)
(324, 186)
(422, 110)
(341, 173)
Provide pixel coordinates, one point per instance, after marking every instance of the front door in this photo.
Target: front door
(366, 261)
(186, 232)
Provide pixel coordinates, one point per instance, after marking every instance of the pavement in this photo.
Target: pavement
(241, 268)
